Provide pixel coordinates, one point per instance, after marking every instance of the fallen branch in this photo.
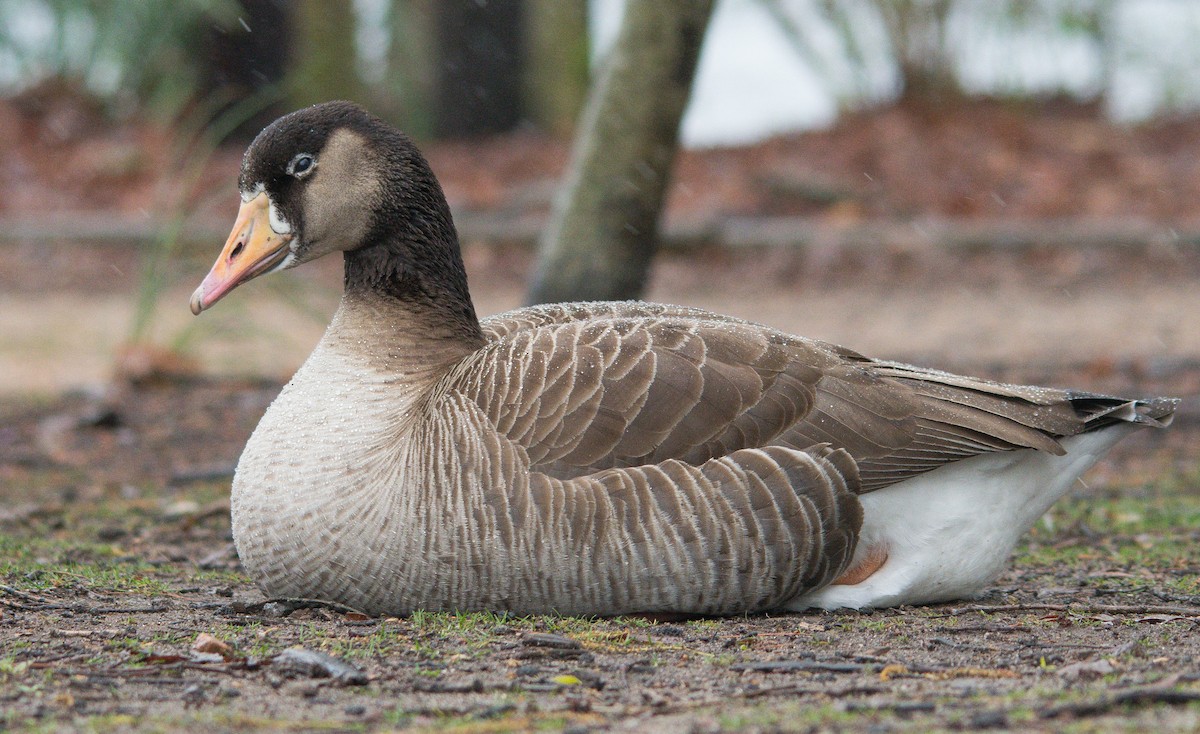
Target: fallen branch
(1132, 697)
(151, 674)
(34, 603)
(1077, 609)
(973, 628)
(900, 707)
(281, 607)
(791, 666)
(20, 595)
(796, 689)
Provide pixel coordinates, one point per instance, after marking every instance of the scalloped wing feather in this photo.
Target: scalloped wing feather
(588, 386)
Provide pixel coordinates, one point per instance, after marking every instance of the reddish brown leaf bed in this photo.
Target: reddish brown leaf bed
(989, 159)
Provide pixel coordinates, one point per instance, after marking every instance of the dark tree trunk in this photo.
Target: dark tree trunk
(246, 57)
(603, 231)
(478, 79)
(555, 63)
(412, 65)
(323, 66)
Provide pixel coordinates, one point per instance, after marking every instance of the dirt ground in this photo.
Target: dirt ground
(123, 606)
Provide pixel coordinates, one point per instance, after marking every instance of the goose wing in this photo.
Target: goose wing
(583, 387)
(619, 385)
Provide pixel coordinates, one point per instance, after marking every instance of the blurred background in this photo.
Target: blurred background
(998, 186)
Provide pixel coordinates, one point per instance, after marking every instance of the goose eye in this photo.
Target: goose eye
(301, 165)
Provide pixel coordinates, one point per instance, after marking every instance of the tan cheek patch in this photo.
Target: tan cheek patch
(342, 195)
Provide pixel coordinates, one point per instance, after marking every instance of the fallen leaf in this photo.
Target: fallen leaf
(209, 644)
(1160, 618)
(155, 659)
(889, 671)
(566, 680)
(971, 673)
(548, 639)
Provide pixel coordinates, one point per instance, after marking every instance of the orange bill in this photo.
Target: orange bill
(252, 249)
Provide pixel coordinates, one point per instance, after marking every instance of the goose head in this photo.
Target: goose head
(333, 178)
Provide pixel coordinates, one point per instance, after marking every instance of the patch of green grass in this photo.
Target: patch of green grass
(867, 622)
(1171, 502)
(472, 635)
(64, 543)
(248, 640)
(43, 564)
(218, 577)
(1131, 515)
(1169, 551)
(456, 623)
(634, 622)
(1145, 527)
(11, 668)
(718, 660)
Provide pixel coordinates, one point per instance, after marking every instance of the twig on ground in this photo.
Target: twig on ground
(900, 707)
(19, 595)
(1131, 697)
(973, 628)
(789, 666)
(34, 603)
(1077, 609)
(152, 673)
(283, 606)
(794, 689)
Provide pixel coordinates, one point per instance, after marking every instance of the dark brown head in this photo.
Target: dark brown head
(334, 178)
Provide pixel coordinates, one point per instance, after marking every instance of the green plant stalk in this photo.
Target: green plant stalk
(192, 156)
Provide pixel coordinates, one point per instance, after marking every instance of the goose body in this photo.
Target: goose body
(602, 458)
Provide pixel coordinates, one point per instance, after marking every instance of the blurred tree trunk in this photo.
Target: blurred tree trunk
(919, 33)
(412, 64)
(478, 74)
(244, 58)
(555, 67)
(603, 230)
(323, 62)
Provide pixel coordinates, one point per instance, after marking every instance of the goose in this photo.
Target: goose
(601, 458)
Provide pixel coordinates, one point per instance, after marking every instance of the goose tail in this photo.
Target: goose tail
(1099, 411)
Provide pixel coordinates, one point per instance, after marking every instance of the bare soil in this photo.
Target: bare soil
(123, 606)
